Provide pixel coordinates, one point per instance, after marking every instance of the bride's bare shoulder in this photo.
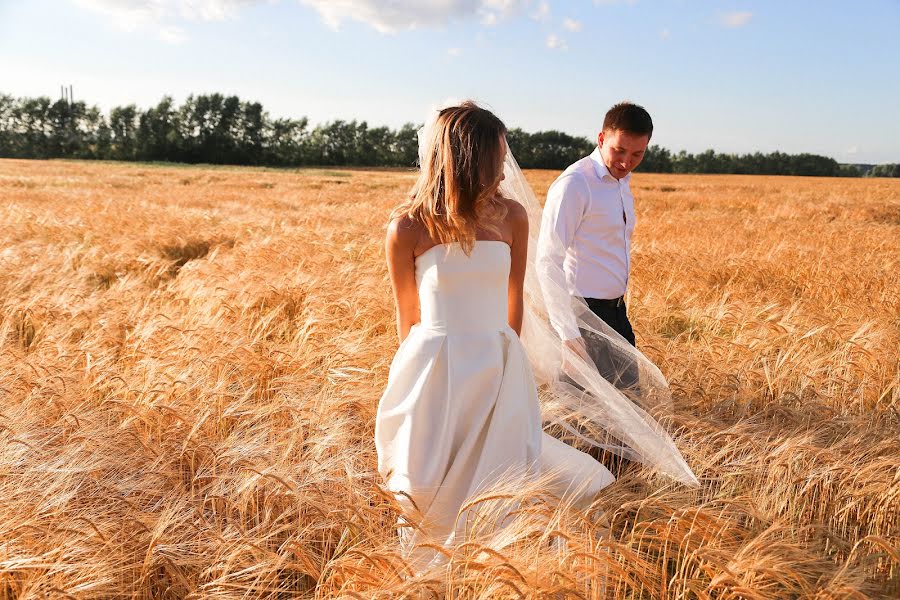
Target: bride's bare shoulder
(403, 231)
(516, 215)
(515, 209)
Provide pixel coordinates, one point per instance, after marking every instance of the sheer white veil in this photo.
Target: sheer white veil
(604, 402)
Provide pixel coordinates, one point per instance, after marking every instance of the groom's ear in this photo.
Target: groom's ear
(600, 139)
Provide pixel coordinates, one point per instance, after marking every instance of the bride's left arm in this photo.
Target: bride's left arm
(518, 218)
(400, 244)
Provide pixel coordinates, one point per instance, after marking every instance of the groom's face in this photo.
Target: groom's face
(622, 152)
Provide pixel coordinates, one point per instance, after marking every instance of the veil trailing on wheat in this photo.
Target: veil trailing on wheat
(604, 402)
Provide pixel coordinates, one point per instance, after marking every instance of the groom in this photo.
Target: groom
(586, 235)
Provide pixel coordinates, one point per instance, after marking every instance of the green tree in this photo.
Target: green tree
(886, 170)
(123, 125)
(9, 119)
(287, 142)
(656, 160)
(221, 129)
(405, 150)
(158, 137)
(547, 149)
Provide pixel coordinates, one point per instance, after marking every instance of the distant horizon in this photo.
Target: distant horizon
(313, 124)
(738, 77)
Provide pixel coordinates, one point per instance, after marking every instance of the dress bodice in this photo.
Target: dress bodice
(464, 294)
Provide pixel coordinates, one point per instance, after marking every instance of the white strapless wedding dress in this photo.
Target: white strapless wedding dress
(461, 408)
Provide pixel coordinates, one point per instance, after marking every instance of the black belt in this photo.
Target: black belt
(613, 303)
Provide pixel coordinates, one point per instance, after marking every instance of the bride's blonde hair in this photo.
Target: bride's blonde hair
(460, 173)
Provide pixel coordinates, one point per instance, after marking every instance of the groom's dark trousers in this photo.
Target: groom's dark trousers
(614, 313)
(618, 370)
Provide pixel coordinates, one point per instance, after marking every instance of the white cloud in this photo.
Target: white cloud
(556, 43)
(542, 12)
(736, 18)
(852, 150)
(389, 16)
(572, 24)
(664, 34)
(127, 16)
(454, 52)
(386, 16)
(489, 19)
(213, 10)
(131, 15)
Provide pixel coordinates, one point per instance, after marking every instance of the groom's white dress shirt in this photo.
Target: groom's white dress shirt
(592, 215)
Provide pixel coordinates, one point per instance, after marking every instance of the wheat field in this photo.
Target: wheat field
(191, 359)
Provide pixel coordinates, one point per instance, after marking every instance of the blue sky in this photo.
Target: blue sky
(797, 76)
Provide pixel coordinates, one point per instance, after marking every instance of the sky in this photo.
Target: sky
(815, 76)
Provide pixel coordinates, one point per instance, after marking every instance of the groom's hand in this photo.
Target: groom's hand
(577, 347)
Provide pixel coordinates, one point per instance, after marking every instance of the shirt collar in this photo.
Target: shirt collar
(601, 169)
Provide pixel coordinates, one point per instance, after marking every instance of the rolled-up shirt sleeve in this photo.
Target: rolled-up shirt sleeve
(564, 210)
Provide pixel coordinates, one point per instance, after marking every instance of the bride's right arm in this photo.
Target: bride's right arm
(400, 247)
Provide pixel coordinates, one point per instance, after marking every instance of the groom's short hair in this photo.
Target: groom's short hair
(630, 118)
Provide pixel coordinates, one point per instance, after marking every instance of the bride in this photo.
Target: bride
(461, 408)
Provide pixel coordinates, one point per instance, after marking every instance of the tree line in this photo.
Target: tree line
(661, 160)
(218, 129)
